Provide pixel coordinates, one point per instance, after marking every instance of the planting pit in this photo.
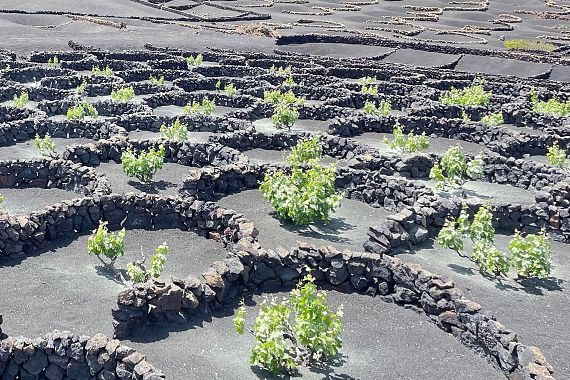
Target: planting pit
(303, 125)
(199, 137)
(27, 150)
(64, 288)
(22, 201)
(536, 308)
(437, 145)
(266, 156)
(347, 228)
(494, 193)
(395, 347)
(166, 181)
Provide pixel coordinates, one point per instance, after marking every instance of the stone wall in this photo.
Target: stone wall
(63, 355)
(333, 146)
(184, 153)
(22, 235)
(250, 265)
(194, 123)
(48, 174)
(24, 130)
(502, 140)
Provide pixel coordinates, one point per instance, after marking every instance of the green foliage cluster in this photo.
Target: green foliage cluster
(281, 70)
(206, 108)
(528, 45)
(53, 62)
(300, 330)
(474, 95)
(305, 194)
(453, 170)
(22, 100)
(229, 88)
(284, 116)
(289, 82)
(557, 157)
(45, 145)
(154, 80)
(145, 165)
(407, 144)
(177, 131)
(530, 256)
(80, 90)
(276, 97)
(367, 87)
(138, 272)
(123, 95)
(105, 243)
(195, 61)
(372, 109)
(79, 111)
(493, 119)
(307, 151)
(551, 107)
(106, 72)
(1, 198)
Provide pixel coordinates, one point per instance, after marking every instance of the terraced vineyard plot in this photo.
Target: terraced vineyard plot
(209, 146)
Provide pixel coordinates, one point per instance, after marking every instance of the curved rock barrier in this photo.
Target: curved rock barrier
(184, 153)
(250, 265)
(63, 355)
(26, 234)
(53, 173)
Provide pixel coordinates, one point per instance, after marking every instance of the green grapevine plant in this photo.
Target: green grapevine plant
(281, 70)
(123, 95)
(407, 144)
(195, 61)
(105, 243)
(239, 319)
(490, 259)
(485, 255)
(22, 100)
(474, 95)
(383, 109)
(284, 116)
(289, 82)
(206, 108)
(276, 97)
(53, 62)
(307, 151)
(46, 146)
(80, 90)
(551, 107)
(493, 119)
(157, 81)
(305, 194)
(453, 170)
(283, 341)
(531, 256)
(79, 111)
(230, 89)
(557, 157)
(138, 272)
(145, 165)
(106, 72)
(177, 131)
